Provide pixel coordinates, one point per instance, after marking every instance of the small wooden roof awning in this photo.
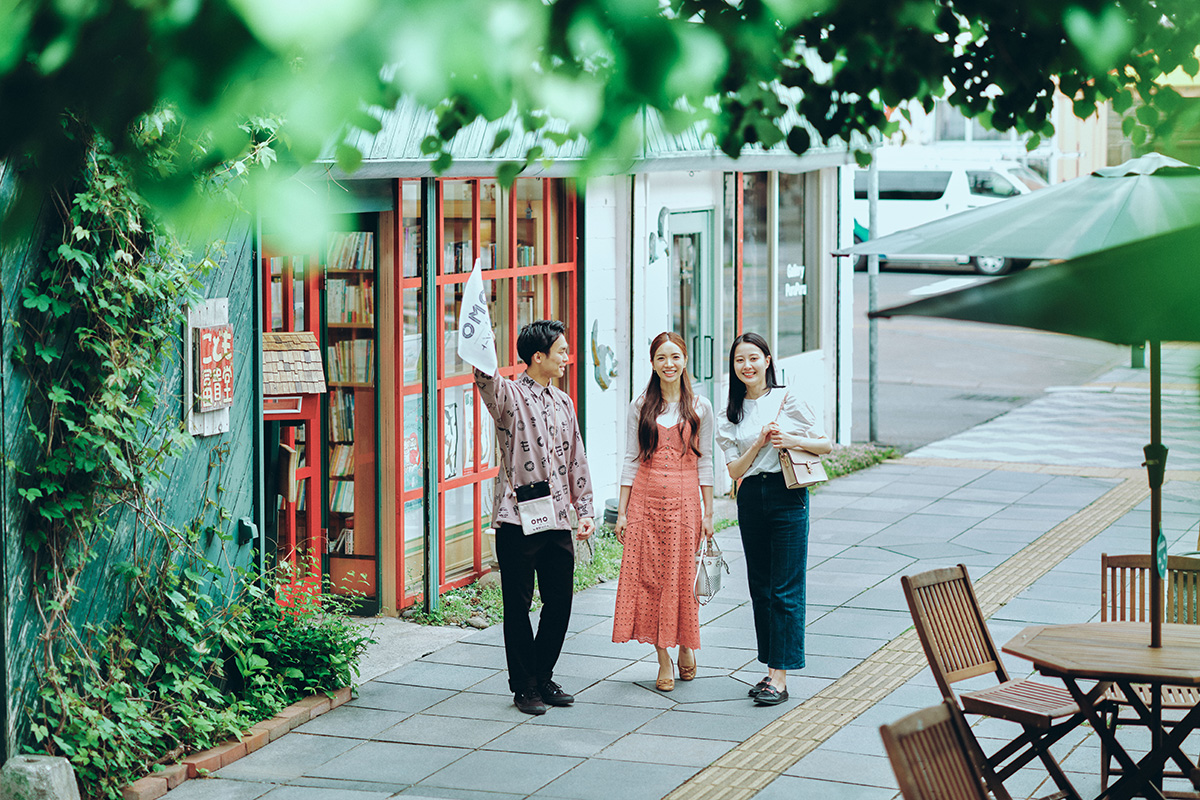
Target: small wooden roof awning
(292, 363)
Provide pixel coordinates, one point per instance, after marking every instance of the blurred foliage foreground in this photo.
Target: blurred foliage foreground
(228, 77)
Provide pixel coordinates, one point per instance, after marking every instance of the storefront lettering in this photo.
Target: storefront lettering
(794, 285)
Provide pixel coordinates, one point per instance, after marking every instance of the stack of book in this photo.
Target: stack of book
(341, 461)
(526, 255)
(350, 300)
(351, 361)
(341, 416)
(341, 497)
(352, 251)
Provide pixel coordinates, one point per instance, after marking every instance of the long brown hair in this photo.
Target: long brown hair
(653, 404)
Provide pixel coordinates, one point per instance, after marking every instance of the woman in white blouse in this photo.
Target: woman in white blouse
(668, 475)
(762, 417)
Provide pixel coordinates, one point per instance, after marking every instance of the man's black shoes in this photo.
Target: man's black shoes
(529, 702)
(553, 695)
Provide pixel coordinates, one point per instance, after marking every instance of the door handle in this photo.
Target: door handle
(709, 372)
(697, 367)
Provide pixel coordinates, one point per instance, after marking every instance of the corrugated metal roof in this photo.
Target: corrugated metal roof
(395, 152)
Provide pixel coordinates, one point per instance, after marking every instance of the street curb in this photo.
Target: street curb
(157, 784)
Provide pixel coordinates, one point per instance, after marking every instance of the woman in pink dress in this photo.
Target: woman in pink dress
(668, 473)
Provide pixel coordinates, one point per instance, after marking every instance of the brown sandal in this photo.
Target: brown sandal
(687, 673)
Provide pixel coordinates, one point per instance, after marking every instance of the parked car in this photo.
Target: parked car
(913, 194)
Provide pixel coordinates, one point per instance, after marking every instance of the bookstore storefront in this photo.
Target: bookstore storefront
(354, 464)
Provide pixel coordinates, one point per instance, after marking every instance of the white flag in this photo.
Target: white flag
(476, 343)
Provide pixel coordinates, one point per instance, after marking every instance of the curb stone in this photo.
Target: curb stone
(157, 784)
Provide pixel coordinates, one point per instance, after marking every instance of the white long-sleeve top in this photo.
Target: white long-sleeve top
(779, 404)
(668, 419)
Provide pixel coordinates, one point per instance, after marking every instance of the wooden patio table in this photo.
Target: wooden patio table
(1120, 652)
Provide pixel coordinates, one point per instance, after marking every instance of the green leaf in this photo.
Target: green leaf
(349, 159)
(502, 136)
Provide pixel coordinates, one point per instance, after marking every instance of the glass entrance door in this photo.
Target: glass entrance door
(692, 292)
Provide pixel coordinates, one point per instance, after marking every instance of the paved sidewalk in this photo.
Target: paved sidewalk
(1104, 423)
(443, 725)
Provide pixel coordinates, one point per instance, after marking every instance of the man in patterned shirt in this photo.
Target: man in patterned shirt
(539, 440)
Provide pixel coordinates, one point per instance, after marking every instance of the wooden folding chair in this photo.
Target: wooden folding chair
(936, 757)
(958, 646)
(1125, 597)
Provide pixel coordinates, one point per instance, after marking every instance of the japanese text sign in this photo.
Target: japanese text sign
(214, 367)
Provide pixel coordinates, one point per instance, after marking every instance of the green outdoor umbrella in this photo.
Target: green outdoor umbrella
(1142, 197)
(1147, 290)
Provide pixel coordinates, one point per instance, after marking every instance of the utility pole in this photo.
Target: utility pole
(872, 300)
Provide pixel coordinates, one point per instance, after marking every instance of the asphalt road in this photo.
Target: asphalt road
(940, 377)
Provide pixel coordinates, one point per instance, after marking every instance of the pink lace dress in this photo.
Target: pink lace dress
(655, 599)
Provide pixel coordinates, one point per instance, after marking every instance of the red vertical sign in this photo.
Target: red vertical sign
(214, 367)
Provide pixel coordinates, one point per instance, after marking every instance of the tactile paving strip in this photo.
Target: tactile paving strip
(748, 768)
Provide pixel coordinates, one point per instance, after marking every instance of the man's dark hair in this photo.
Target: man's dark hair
(538, 337)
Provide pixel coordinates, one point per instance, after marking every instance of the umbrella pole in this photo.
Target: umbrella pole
(1156, 466)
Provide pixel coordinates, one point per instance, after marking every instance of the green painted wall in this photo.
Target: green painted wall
(181, 492)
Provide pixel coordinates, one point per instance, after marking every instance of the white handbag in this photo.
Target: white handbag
(709, 562)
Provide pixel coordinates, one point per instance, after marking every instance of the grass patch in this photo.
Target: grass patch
(848, 458)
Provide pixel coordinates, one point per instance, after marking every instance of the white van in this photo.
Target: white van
(913, 194)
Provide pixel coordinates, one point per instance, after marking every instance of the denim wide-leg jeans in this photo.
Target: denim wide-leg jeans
(774, 524)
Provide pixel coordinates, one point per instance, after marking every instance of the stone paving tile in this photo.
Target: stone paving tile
(704, 689)
(596, 717)
(434, 675)
(658, 749)
(858, 514)
(945, 552)
(834, 765)
(598, 779)
(220, 790)
(519, 773)
(351, 722)
(474, 705)
(587, 669)
(850, 645)
(625, 693)
(843, 531)
(588, 644)
(286, 758)
(388, 762)
(788, 787)
(743, 706)
(920, 528)
(827, 666)
(311, 793)
(469, 655)
(1042, 612)
(445, 731)
(687, 723)
(397, 697)
(334, 787)
(553, 740)
(424, 792)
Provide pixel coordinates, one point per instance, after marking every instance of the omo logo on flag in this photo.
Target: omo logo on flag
(476, 342)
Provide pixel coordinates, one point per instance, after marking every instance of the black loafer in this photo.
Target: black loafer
(529, 702)
(758, 687)
(553, 695)
(770, 696)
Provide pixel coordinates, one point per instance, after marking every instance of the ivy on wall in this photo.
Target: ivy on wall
(194, 650)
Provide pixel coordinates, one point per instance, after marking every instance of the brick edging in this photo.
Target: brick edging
(157, 784)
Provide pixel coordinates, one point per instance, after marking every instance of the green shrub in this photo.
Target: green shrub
(181, 671)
